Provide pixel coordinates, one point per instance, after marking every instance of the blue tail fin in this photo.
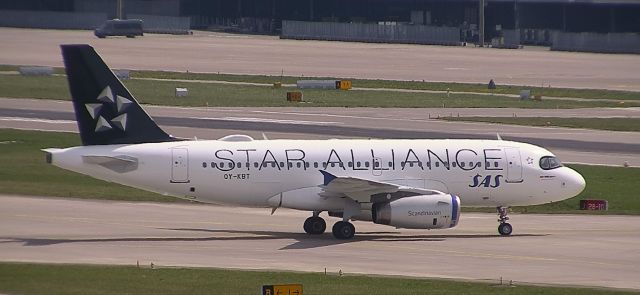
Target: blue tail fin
(105, 110)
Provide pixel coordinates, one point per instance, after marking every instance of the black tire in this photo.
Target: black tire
(314, 225)
(505, 229)
(343, 230)
(131, 36)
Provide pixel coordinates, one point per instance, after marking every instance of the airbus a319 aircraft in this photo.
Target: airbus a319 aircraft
(418, 184)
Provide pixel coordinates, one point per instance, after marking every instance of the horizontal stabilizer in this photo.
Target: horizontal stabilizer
(119, 164)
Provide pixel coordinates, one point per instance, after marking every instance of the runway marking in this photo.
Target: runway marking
(20, 119)
(327, 115)
(264, 120)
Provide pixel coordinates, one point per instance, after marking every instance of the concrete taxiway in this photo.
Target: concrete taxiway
(244, 54)
(548, 249)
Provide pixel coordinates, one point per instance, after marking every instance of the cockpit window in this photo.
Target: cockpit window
(548, 163)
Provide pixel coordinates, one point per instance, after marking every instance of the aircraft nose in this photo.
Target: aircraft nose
(573, 182)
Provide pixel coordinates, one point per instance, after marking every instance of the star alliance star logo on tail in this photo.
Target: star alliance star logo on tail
(108, 98)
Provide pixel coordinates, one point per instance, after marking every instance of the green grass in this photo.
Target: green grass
(615, 124)
(368, 83)
(200, 94)
(5, 68)
(24, 172)
(416, 85)
(91, 279)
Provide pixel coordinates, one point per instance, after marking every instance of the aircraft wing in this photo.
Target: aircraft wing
(367, 191)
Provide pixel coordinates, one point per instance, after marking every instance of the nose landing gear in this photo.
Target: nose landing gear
(504, 228)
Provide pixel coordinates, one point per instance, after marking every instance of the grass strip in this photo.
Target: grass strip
(221, 95)
(93, 279)
(614, 124)
(24, 172)
(414, 85)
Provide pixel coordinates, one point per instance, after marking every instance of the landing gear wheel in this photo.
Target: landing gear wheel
(343, 230)
(505, 229)
(315, 225)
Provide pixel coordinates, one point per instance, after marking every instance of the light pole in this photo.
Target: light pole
(119, 8)
(481, 25)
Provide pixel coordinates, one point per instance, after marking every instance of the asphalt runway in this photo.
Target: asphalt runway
(576, 250)
(245, 54)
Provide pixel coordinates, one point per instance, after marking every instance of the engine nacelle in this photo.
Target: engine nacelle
(419, 212)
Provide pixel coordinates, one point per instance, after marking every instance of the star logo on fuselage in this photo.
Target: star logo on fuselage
(107, 98)
(529, 160)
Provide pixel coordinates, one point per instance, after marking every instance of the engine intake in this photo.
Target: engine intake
(419, 212)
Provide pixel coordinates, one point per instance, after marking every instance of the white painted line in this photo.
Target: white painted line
(264, 120)
(19, 119)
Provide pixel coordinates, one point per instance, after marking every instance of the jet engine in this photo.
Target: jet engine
(419, 212)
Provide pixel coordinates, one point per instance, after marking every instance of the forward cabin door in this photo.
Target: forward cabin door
(180, 165)
(514, 165)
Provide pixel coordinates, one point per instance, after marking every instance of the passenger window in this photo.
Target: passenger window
(390, 164)
(306, 164)
(454, 164)
(366, 164)
(315, 164)
(222, 165)
(376, 164)
(358, 164)
(239, 165)
(204, 164)
(350, 164)
(462, 164)
(299, 165)
(437, 164)
(255, 164)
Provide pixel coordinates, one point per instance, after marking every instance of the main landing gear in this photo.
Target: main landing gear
(504, 228)
(315, 225)
(342, 230)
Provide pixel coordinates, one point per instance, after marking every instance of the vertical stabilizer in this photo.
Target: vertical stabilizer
(105, 110)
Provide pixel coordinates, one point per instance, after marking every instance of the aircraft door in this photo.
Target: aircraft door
(179, 165)
(514, 165)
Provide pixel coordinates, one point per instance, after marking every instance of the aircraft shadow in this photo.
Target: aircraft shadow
(303, 240)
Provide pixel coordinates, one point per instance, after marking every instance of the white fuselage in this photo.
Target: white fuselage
(271, 173)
